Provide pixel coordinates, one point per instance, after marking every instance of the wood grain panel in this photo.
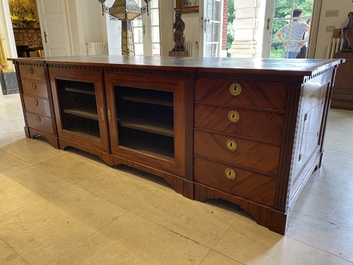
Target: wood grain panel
(32, 72)
(246, 184)
(254, 124)
(254, 94)
(35, 88)
(40, 123)
(37, 105)
(250, 154)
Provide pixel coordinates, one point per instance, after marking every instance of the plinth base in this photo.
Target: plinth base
(178, 54)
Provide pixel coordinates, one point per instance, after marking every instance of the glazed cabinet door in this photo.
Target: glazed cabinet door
(79, 107)
(147, 120)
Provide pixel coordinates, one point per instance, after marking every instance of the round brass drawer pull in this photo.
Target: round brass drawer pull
(230, 173)
(231, 145)
(31, 70)
(35, 102)
(233, 116)
(235, 89)
(38, 119)
(34, 85)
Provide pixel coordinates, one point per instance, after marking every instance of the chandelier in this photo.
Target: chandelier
(126, 11)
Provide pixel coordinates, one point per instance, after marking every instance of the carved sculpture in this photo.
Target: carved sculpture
(4, 64)
(179, 27)
(348, 34)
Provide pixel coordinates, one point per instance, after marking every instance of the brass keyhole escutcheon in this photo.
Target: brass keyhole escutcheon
(34, 86)
(235, 89)
(233, 116)
(231, 145)
(38, 119)
(31, 70)
(230, 173)
(35, 102)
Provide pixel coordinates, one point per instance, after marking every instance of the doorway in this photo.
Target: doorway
(277, 17)
(26, 29)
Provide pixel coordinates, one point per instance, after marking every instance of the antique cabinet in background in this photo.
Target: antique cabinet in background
(342, 96)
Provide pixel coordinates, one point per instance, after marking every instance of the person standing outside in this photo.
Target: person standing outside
(294, 34)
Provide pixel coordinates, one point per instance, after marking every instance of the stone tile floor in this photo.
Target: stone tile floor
(68, 207)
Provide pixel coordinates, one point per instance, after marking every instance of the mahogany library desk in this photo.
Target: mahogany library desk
(249, 131)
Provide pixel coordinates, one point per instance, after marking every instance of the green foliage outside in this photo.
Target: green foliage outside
(230, 30)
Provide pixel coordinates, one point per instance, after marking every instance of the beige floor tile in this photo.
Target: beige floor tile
(72, 167)
(132, 239)
(214, 258)
(121, 187)
(46, 229)
(86, 207)
(9, 257)
(10, 164)
(326, 236)
(32, 151)
(249, 243)
(187, 217)
(14, 196)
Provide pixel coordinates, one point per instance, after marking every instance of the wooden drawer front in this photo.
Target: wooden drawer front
(32, 72)
(245, 184)
(250, 154)
(254, 124)
(35, 88)
(37, 105)
(40, 123)
(253, 94)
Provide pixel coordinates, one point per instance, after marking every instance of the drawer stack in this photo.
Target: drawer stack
(35, 98)
(238, 129)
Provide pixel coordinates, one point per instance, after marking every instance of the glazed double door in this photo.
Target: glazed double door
(131, 117)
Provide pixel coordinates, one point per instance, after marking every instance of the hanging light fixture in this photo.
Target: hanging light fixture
(126, 11)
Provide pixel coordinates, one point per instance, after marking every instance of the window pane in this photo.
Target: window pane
(138, 35)
(277, 25)
(283, 9)
(154, 4)
(137, 22)
(138, 49)
(277, 50)
(154, 17)
(155, 34)
(156, 50)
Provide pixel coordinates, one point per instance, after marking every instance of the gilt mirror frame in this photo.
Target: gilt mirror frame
(187, 6)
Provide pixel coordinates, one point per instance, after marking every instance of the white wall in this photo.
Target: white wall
(166, 17)
(86, 24)
(343, 7)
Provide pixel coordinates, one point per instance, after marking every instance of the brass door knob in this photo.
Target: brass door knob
(230, 173)
(35, 102)
(34, 85)
(38, 119)
(31, 70)
(231, 145)
(235, 89)
(233, 116)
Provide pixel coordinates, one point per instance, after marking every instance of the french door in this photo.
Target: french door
(146, 30)
(211, 13)
(278, 14)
